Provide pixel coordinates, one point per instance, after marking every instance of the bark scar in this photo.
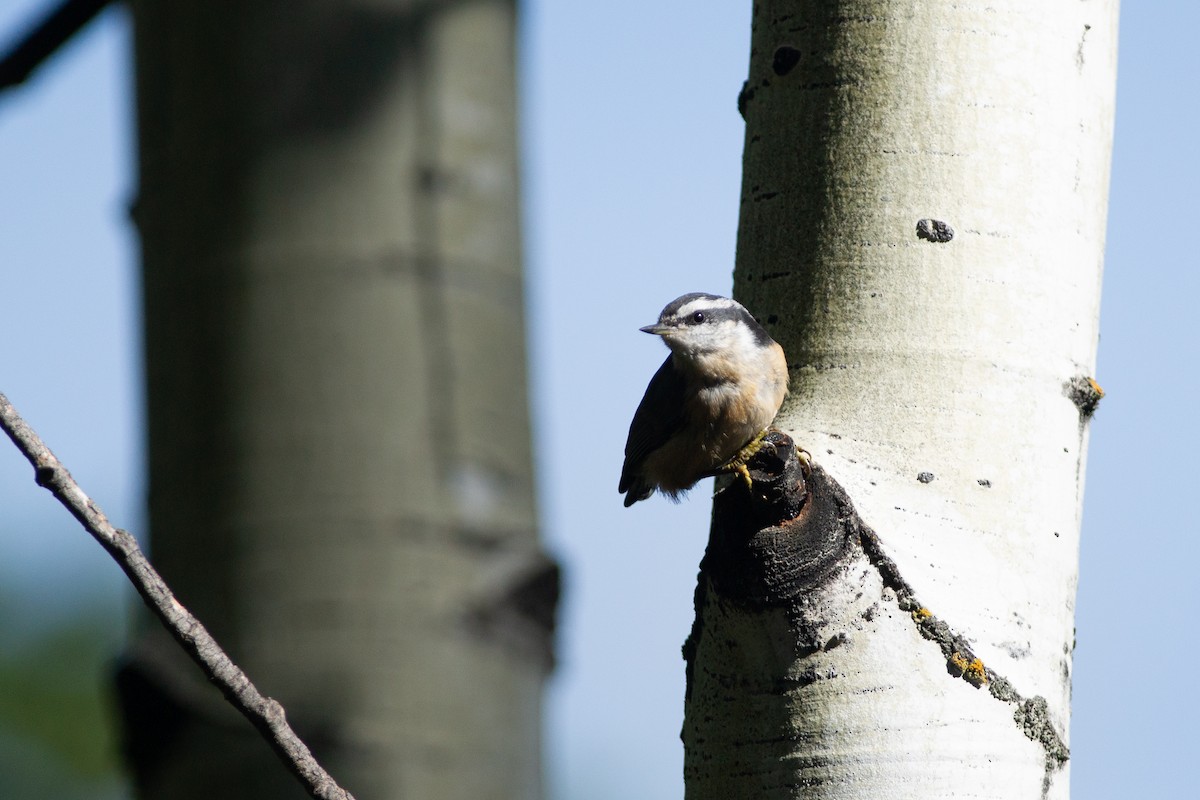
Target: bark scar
(1031, 714)
(1085, 393)
(518, 606)
(790, 532)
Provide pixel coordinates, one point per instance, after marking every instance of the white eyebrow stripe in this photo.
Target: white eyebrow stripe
(702, 303)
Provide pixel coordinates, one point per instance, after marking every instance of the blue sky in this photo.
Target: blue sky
(632, 158)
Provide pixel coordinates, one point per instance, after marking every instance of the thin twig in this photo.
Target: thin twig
(264, 713)
(44, 39)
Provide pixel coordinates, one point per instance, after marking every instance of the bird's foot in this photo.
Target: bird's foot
(737, 464)
(806, 461)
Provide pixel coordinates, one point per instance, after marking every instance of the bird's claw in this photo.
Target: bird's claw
(741, 469)
(737, 464)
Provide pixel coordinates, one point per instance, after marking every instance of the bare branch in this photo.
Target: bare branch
(44, 39)
(264, 713)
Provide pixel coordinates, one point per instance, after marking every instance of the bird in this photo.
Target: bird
(711, 402)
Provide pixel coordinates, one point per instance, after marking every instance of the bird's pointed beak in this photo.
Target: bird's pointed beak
(656, 329)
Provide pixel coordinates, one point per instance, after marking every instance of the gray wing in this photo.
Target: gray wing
(658, 417)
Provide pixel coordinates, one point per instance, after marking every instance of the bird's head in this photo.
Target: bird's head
(700, 326)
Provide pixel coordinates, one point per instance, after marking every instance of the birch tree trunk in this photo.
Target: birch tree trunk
(340, 458)
(922, 228)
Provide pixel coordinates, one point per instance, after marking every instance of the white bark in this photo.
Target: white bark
(341, 479)
(931, 378)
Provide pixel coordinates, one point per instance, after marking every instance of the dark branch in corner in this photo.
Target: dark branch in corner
(264, 713)
(45, 38)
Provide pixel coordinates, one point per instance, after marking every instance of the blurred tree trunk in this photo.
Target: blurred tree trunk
(922, 228)
(341, 485)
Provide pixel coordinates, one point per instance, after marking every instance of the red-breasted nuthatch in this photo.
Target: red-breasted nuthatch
(709, 405)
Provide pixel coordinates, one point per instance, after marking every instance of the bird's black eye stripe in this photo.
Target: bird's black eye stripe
(709, 315)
